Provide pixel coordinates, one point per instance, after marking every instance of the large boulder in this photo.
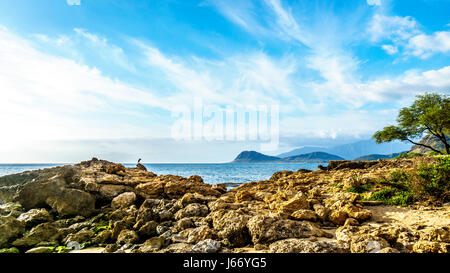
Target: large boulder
(154, 189)
(34, 217)
(191, 210)
(11, 209)
(35, 194)
(123, 200)
(72, 202)
(42, 234)
(10, 229)
(231, 225)
(265, 229)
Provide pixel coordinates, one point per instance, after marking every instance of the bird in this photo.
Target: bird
(139, 161)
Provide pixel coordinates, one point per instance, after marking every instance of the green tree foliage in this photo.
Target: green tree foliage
(429, 114)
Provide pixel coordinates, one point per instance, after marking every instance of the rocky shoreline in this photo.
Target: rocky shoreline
(100, 206)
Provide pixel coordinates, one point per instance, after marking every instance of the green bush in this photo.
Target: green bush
(391, 196)
(361, 188)
(433, 179)
(408, 155)
(9, 250)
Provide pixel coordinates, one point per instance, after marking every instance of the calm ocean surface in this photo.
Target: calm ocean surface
(211, 173)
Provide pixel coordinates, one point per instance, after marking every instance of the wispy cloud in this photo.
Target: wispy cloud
(374, 2)
(424, 46)
(74, 2)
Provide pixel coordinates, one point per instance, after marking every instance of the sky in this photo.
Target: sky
(84, 78)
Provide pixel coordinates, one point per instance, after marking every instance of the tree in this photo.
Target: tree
(430, 113)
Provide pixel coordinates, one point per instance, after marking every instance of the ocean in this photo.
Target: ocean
(210, 172)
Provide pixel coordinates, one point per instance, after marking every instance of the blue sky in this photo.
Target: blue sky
(83, 78)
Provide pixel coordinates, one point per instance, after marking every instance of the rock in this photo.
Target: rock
(178, 248)
(115, 168)
(207, 246)
(183, 224)
(35, 194)
(276, 176)
(151, 189)
(231, 225)
(299, 201)
(103, 237)
(148, 229)
(46, 233)
(367, 243)
(127, 237)
(41, 249)
(190, 198)
(92, 187)
(388, 250)
(123, 200)
(201, 233)
(430, 247)
(304, 214)
(162, 228)
(305, 246)
(243, 195)
(129, 214)
(351, 222)
(192, 210)
(118, 227)
(81, 236)
(111, 248)
(346, 164)
(152, 245)
(265, 229)
(141, 167)
(34, 217)
(358, 213)
(12, 209)
(438, 234)
(10, 229)
(338, 217)
(321, 211)
(108, 192)
(72, 202)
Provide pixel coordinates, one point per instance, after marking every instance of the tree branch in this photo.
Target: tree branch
(426, 146)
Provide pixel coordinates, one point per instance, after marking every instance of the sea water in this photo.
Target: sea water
(212, 173)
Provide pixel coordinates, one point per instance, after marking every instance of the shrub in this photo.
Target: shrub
(9, 250)
(361, 189)
(391, 196)
(432, 180)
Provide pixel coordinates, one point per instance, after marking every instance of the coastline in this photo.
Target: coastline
(112, 208)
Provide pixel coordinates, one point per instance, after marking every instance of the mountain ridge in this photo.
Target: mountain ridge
(352, 150)
(256, 157)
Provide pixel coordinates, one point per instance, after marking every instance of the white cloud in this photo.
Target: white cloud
(74, 2)
(406, 36)
(426, 45)
(390, 49)
(395, 28)
(50, 97)
(374, 2)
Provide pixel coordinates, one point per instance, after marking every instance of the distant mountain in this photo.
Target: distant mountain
(315, 156)
(429, 140)
(353, 150)
(377, 156)
(255, 157)
(303, 150)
